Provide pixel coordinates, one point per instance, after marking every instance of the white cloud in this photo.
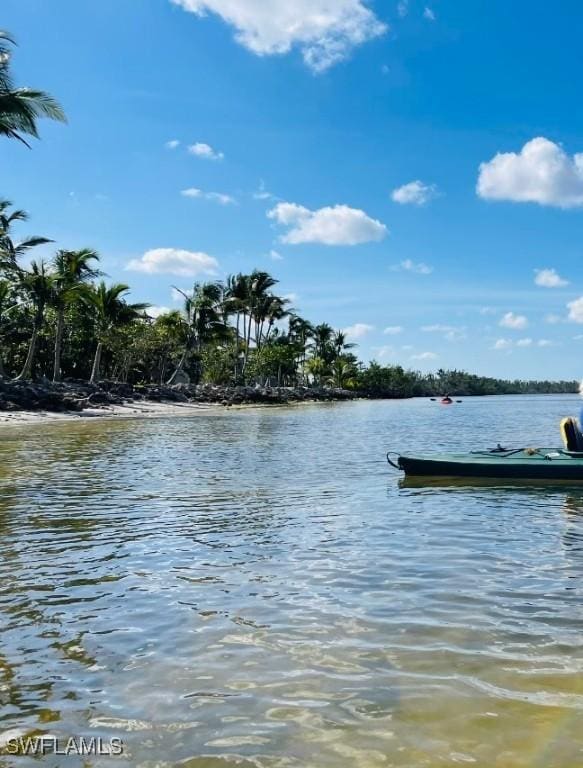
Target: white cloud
(437, 328)
(553, 319)
(157, 311)
(451, 332)
(576, 310)
(515, 322)
(524, 343)
(263, 193)
(410, 266)
(384, 351)
(403, 8)
(487, 311)
(541, 172)
(325, 31)
(172, 144)
(414, 193)
(217, 197)
(332, 225)
(424, 356)
(502, 344)
(174, 261)
(549, 278)
(275, 255)
(428, 14)
(393, 330)
(358, 330)
(545, 343)
(200, 149)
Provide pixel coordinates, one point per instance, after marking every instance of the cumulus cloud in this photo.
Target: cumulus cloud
(200, 149)
(393, 330)
(332, 225)
(513, 321)
(217, 197)
(524, 343)
(172, 144)
(275, 255)
(414, 193)
(575, 308)
(542, 172)
(545, 343)
(157, 311)
(358, 330)
(325, 32)
(424, 356)
(173, 261)
(549, 278)
(502, 344)
(420, 268)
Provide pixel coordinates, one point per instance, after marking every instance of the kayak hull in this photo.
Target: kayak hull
(542, 465)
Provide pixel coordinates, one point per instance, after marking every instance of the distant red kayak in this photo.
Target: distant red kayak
(446, 402)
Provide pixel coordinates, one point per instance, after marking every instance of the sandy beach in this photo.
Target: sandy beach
(133, 410)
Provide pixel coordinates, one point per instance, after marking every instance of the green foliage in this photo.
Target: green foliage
(20, 108)
(218, 364)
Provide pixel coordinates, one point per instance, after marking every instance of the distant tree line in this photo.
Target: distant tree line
(60, 320)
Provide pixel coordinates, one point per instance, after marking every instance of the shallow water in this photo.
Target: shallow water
(256, 588)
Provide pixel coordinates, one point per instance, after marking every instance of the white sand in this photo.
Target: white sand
(135, 410)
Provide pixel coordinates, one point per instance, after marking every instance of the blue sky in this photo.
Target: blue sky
(399, 166)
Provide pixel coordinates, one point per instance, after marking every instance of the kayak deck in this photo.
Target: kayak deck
(528, 463)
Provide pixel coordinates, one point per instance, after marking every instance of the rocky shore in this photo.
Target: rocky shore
(78, 396)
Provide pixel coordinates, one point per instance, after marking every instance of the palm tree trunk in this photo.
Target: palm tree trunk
(58, 345)
(26, 371)
(96, 370)
(248, 341)
(180, 366)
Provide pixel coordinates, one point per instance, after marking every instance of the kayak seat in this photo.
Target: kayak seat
(571, 435)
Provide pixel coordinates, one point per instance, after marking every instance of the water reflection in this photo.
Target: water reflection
(254, 588)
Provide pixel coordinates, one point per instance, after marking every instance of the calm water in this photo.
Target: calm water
(255, 588)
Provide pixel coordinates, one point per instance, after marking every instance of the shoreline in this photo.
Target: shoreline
(130, 410)
(24, 403)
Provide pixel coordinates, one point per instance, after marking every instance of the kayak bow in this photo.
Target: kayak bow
(520, 463)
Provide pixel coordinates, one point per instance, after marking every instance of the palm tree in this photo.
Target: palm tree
(235, 301)
(111, 311)
(72, 271)
(270, 309)
(259, 283)
(301, 330)
(20, 108)
(36, 284)
(7, 303)
(323, 334)
(203, 320)
(11, 251)
(343, 373)
(340, 344)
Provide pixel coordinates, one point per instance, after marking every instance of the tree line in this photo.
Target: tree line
(59, 319)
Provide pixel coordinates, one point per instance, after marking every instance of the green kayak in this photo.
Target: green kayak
(519, 463)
